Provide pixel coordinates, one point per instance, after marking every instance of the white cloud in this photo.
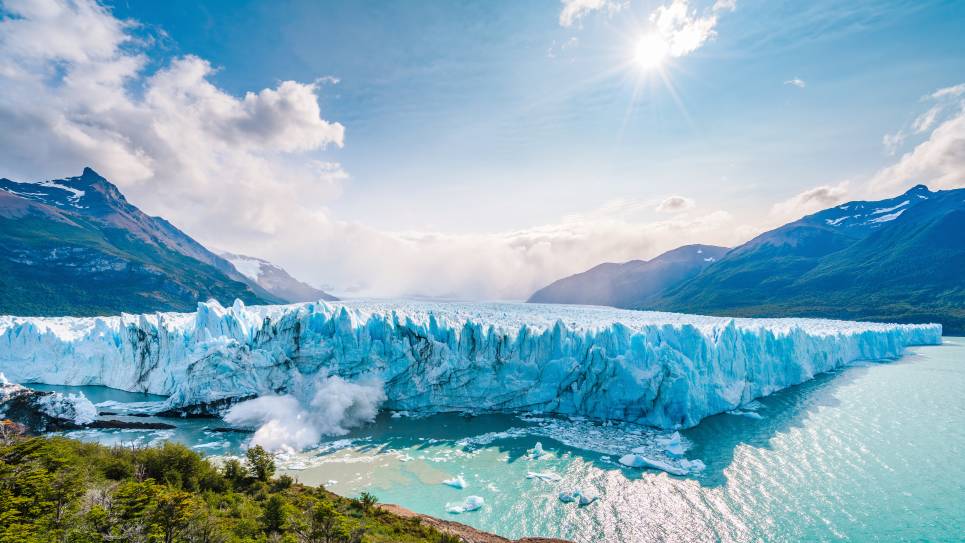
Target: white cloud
(574, 10)
(725, 5)
(893, 141)
(675, 204)
(797, 82)
(178, 146)
(810, 201)
(925, 121)
(949, 92)
(683, 28)
(937, 161)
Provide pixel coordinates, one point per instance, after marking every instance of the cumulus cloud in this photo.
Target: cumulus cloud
(291, 422)
(810, 201)
(177, 145)
(684, 29)
(796, 82)
(574, 10)
(939, 160)
(674, 204)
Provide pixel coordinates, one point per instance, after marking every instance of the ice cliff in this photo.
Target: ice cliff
(659, 369)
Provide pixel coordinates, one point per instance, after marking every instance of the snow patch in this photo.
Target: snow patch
(887, 218)
(881, 210)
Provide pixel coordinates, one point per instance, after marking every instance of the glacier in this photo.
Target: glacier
(658, 369)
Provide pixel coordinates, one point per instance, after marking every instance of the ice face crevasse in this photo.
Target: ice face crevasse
(659, 369)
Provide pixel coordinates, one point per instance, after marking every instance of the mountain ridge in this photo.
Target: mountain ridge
(77, 246)
(893, 260)
(275, 279)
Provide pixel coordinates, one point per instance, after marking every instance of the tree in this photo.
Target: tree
(234, 472)
(172, 512)
(261, 463)
(275, 515)
(321, 523)
(367, 501)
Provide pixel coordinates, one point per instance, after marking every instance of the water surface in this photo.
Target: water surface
(871, 452)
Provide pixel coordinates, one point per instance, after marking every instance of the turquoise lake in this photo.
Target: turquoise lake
(870, 452)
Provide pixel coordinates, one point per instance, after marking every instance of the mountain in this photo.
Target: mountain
(76, 246)
(633, 283)
(275, 280)
(893, 260)
(899, 260)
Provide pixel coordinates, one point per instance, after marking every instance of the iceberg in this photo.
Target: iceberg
(548, 476)
(659, 369)
(456, 482)
(640, 461)
(472, 503)
(583, 497)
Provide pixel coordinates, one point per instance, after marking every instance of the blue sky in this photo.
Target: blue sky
(451, 107)
(489, 147)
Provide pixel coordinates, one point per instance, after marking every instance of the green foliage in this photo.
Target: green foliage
(275, 516)
(57, 489)
(367, 501)
(261, 463)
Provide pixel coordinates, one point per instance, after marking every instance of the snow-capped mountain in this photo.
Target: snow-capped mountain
(77, 246)
(896, 260)
(275, 279)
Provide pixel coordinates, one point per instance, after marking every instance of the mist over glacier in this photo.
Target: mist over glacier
(294, 422)
(297, 372)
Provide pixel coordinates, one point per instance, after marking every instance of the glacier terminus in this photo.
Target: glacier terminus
(338, 363)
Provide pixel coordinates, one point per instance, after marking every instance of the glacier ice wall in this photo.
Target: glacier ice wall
(659, 369)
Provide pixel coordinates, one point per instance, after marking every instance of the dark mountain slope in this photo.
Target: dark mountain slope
(75, 246)
(632, 283)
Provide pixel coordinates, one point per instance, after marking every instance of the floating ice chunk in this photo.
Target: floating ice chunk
(672, 444)
(472, 503)
(693, 466)
(588, 496)
(544, 476)
(538, 451)
(640, 461)
(456, 482)
(583, 496)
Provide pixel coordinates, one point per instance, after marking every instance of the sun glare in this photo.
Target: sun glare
(650, 52)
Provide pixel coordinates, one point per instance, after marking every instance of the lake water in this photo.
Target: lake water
(870, 452)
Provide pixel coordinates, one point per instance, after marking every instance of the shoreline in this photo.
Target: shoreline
(466, 533)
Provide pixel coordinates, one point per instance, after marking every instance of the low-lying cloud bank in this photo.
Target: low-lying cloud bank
(299, 420)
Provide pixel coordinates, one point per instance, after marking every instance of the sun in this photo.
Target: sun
(651, 51)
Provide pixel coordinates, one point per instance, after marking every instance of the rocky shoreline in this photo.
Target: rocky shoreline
(466, 534)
